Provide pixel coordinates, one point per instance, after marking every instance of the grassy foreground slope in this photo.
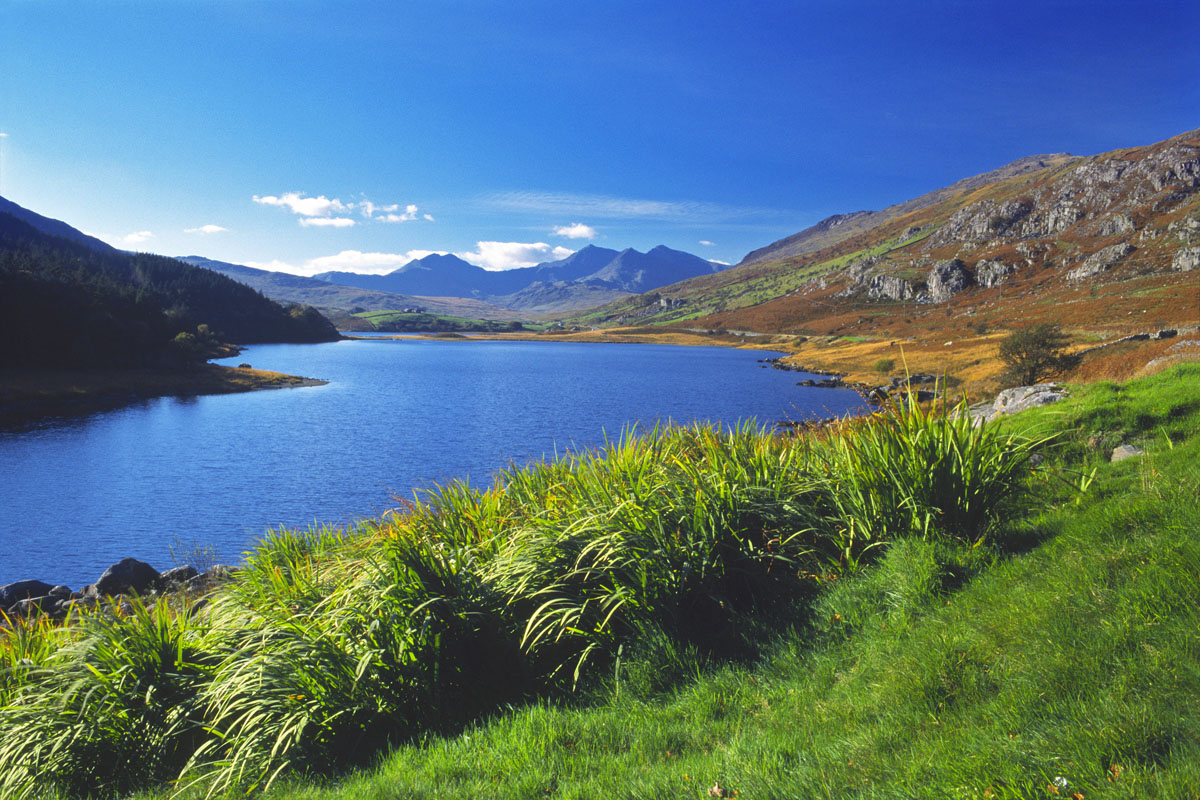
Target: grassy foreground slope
(901, 608)
(1065, 663)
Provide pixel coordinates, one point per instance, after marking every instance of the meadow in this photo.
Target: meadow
(903, 605)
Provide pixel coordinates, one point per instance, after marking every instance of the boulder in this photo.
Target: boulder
(1126, 451)
(176, 576)
(34, 605)
(126, 576)
(11, 593)
(1019, 398)
(946, 279)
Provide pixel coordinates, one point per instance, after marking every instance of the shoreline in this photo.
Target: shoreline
(28, 397)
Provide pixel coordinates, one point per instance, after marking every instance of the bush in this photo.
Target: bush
(1033, 354)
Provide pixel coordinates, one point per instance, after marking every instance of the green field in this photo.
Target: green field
(903, 607)
(425, 322)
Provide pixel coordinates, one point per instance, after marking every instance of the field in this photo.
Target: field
(425, 322)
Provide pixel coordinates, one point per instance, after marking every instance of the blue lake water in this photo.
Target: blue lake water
(218, 471)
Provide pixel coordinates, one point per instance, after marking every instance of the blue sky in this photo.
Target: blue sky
(316, 135)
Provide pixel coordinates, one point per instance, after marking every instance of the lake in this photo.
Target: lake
(216, 472)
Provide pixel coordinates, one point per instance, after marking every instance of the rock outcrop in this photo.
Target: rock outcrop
(1187, 260)
(889, 287)
(990, 274)
(1100, 261)
(947, 279)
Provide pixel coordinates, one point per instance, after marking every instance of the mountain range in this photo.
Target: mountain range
(586, 278)
(336, 300)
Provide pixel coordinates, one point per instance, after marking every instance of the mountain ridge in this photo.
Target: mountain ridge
(628, 271)
(818, 236)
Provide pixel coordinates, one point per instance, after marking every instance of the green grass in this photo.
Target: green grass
(401, 321)
(684, 608)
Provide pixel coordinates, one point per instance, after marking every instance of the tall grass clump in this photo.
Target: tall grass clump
(107, 703)
(682, 530)
(643, 560)
(921, 470)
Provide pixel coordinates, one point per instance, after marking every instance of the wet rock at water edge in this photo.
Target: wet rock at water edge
(11, 593)
(172, 578)
(126, 576)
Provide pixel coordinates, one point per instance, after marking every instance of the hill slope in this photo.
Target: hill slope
(66, 302)
(1105, 245)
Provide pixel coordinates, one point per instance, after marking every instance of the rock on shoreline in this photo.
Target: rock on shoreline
(128, 577)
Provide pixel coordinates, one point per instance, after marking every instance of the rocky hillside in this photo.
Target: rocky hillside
(1104, 242)
(839, 227)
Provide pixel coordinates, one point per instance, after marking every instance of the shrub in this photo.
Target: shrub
(1035, 353)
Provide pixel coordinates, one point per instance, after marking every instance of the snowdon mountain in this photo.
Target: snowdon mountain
(585, 278)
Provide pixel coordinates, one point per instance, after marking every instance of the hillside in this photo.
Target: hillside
(591, 276)
(66, 302)
(1106, 245)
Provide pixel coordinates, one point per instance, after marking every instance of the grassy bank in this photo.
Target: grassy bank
(900, 607)
(30, 395)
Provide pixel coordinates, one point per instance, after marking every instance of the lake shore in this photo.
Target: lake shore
(971, 362)
(28, 396)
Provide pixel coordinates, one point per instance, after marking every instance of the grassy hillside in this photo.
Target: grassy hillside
(900, 607)
(424, 322)
(1106, 246)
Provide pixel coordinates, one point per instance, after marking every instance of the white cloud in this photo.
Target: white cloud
(327, 222)
(428, 217)
(576, 230)
(137, 238)
(326, 212)
(722, 263)
(345, 261)
(410, 213)
(496, 256)
(206, 229)
(297, 203)
(706, 243)
(358, 261)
